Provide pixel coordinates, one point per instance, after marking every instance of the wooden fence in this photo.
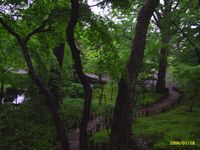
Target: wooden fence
(103, 120)
(140, 113)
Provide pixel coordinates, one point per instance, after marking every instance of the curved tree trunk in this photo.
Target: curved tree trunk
(42, 86)
(121, 128)
(83, 138)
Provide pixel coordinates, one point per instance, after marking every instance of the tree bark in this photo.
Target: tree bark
(42, 86)
(83, 138)
(162, 70)
(2, 91)
(111, 93)
(102, 89)
(165, 37)
(59, 53)
(121, 128)
(56, 73)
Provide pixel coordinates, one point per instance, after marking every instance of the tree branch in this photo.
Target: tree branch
(157, 21)
(98, 3)
(158, 15)
(41, 85)
(174, 8)
(189, 40)
(39, 29)
(21, 42)
(7, 27)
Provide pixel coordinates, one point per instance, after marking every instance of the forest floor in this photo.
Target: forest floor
(173, 96)
(163, 102)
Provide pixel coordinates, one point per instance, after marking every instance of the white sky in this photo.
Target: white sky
(97, 10)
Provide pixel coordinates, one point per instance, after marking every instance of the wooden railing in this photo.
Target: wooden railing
(99, 121)
(140, 113)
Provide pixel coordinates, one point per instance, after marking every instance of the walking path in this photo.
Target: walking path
(73, 136)
(161, 106)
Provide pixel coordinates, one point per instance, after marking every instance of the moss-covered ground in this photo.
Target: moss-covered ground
(71, 108)
(175, 125)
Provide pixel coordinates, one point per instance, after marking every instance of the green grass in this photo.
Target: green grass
(150, 98)
(175, 125)
(106, 93)
(100, 137)
(71, 108)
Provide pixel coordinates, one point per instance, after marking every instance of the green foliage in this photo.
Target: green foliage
(176, 125)
(71, 110)
(105, 44)
(100, 137)
(188, 77)
(149, 98)
(187, 73)
(74, 90)
(28, 126)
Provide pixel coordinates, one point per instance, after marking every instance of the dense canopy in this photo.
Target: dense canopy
(99, 74)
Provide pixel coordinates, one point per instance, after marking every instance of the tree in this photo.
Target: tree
(40, 84)
(163, 21)
(188, 28)
(121, 129)
(83, 138)
(56, 74)
(1, 90)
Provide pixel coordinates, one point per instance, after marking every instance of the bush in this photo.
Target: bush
(74, 90)
(27, 126)
(100, 137)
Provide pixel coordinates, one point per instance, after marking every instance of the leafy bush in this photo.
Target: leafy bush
(74, 90)
(71, 110)
(100, 137)
(26, 127)
(149, 98)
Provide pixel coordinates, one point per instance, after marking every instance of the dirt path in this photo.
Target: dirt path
(73, 136)
(163, 105)
(170, 100)
(167, 102)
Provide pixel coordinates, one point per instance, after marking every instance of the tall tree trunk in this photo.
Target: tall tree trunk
(56, 73)
(42, 86)
(162, 70)
(193, 99)
(59, 53)
(111, 93)
(54, 110)
(55, 83)
(102, 89)
(121, 128)
(83, 137)
(165, 36)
